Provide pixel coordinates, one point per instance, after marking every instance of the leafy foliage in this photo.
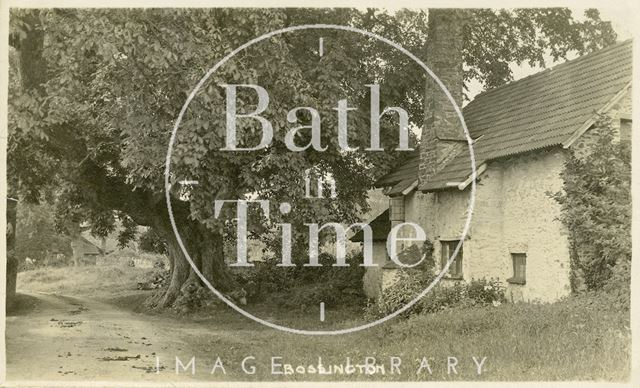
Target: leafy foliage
(617, 290)
(149, 241)
(596, 208)
(299, 287)
(36, 236)
(115, 80)
(410, 282)
(495, 38)
(483, 292)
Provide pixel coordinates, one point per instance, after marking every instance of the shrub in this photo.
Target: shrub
(596, 208)
(617, 290)
(484, 292)
(411, 283)
(265, 278)
(193, 297)
(333, 285)
(331, 293)
(157, 279)
(300, 286)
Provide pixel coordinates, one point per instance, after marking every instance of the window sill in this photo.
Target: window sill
(517, 281)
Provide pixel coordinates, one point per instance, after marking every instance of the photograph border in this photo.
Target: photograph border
(633, 8)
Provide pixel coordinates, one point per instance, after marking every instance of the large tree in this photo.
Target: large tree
(95, 94)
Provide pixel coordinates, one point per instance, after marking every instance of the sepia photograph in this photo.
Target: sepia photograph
(350, 193)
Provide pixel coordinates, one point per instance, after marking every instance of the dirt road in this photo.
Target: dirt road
(56, 337)
(68, 338)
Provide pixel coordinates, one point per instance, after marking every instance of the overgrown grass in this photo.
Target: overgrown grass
(99, 281)
(573, 339)
(567, 340)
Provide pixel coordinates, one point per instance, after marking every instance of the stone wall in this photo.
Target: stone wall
(372, 281)
(531, 225)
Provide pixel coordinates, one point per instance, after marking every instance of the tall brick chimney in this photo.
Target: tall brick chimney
(442, 136)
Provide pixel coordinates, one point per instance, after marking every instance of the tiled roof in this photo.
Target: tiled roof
(89, 248)
(405, 170)
(539, 111)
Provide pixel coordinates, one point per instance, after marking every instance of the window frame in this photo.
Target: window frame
(627, 123)
(456, 265)
(518, 260)
(396, 209)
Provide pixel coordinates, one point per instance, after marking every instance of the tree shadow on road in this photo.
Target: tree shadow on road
(24, 304)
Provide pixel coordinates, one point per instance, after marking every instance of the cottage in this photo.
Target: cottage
(84, 251)
(522, 134)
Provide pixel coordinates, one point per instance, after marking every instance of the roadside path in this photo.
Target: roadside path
(70, 338)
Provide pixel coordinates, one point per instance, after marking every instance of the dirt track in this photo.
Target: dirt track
(64, 338)
(68, 338)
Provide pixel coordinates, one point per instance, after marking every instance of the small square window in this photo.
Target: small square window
(447, 249)
(625, 131)
(396, 209)
(519, 261)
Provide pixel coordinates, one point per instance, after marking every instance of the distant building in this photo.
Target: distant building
(84, 251)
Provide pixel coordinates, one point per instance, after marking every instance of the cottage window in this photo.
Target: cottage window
(396, 206)
(519, 268)
(446, 250)
(625, 131)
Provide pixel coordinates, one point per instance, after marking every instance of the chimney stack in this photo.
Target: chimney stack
(443, 136)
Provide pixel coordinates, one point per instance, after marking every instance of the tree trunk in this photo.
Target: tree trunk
(211, 258)
(12, 259)
(206, 249)
(180, 269)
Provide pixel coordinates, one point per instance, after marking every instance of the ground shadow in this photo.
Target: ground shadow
(23, 305)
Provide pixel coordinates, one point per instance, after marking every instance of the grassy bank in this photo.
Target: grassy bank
(562, 341)
(101, 282)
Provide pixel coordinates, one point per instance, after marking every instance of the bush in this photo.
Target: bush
(617, 290)
(302, 286)
(265, 278)
(484, 292)
(411, 283)
(596, 209)
(193, 297)
(157, 279)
